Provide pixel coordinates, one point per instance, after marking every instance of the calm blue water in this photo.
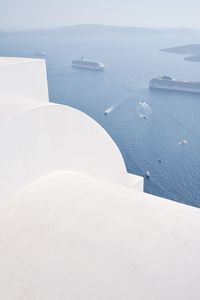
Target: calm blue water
(131, 62)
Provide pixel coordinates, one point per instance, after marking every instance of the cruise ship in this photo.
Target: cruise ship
(86, 64)
(168, 83)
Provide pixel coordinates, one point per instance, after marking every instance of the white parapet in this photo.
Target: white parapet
(71, 236)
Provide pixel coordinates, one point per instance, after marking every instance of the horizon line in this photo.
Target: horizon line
(100, 24)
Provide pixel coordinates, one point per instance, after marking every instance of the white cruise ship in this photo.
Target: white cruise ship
(168, 83)
(86, 64)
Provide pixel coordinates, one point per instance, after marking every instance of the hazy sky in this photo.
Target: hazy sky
(25, 14)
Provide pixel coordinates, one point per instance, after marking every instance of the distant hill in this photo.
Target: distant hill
(191, 51)
(91, 29)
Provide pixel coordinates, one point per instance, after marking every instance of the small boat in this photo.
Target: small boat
(183, 142)
(143, 116)
(148, 175)
(40, 54)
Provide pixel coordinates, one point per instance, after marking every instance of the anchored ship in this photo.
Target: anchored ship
(86, 64)
(168, 83)
(40, 54)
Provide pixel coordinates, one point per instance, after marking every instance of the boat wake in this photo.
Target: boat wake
(183, 142)
(143, 110)
(114, 106)
(145, 105)
(110, 109)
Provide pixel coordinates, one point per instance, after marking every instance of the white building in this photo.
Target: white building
(73, 223)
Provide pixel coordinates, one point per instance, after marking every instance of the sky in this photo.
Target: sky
(31, 14)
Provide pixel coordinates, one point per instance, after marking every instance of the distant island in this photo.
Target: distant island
(97, 29)
(191, 51)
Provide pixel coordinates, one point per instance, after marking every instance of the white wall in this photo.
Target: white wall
(55, 137)
(24, 78)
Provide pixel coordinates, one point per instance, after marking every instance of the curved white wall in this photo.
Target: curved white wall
(51, 138)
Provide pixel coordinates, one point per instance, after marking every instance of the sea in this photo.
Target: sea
(149, 126)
